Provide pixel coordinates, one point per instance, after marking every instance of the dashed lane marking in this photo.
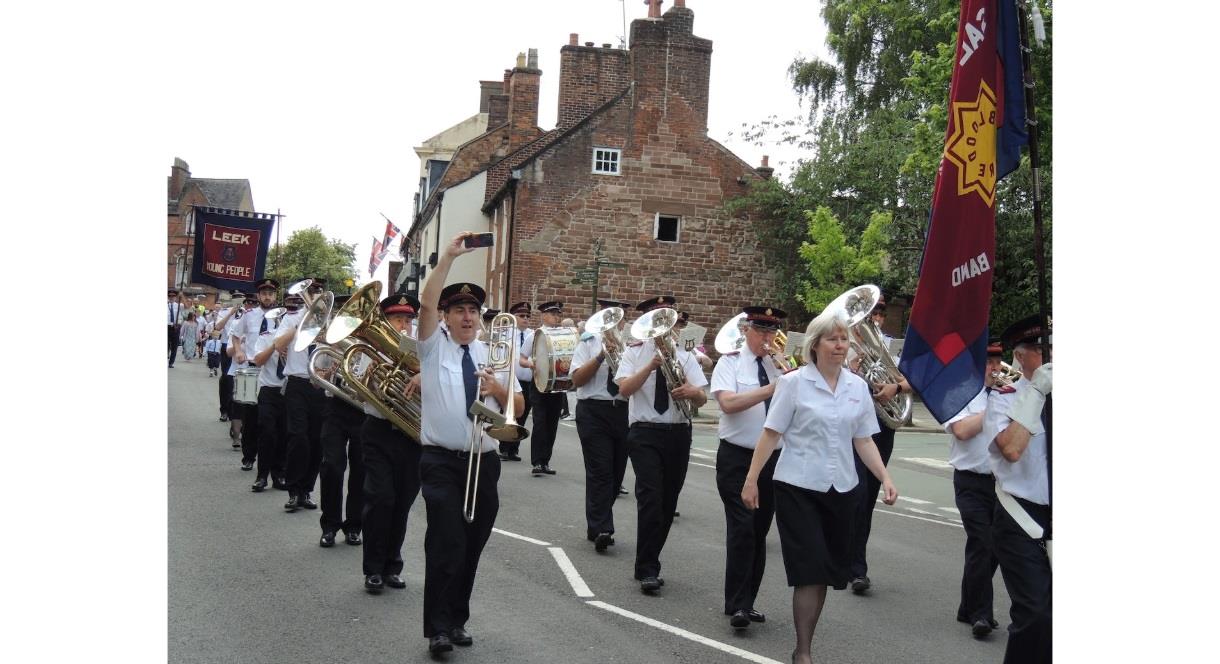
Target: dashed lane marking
(691, 636)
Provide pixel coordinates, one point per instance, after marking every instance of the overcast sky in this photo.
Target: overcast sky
(320, 107)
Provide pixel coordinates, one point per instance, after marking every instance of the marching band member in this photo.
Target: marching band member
(245, 438)
(391, 476)
(744, 383)
(176, 313)
(225, 325)
(974, 494)
(824, 412)
(601, 423)
(449, 361)
(700, 356)
(303, 406)
(547, 407)
(1019, 449)
(270, 411)
(243, 339)
(658, 440)
(525, 375)
(341, 424)
(884, 439)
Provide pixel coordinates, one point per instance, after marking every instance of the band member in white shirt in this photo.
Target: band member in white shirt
(1018, 428)
(525, 375)
(824, 413)
(175, 313)
(450, 361)
(303, 407)
(547, 407)
(246, 439)
(974, 494)
(222, 330)
(743, 383)
(341, 450)
(658, 440)
(270, 412)
(601, 423)
(242, 341)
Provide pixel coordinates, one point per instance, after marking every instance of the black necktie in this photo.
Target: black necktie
(522, 338)
(660, 400)
(468, 378)
(763, 380)
(611, 386)
(279, 366)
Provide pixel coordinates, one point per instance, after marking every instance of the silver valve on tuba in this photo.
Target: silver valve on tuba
(658, 325)
(876, 366)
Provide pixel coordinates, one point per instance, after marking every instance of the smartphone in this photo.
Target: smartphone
(479, 240)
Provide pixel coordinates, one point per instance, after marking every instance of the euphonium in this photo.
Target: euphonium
(605, 322)
(876, 366)
(658, 325)
(391, 358)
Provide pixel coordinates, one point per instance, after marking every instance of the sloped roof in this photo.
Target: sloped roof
(223, 193)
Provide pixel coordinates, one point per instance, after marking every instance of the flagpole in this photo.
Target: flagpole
(1032, 125)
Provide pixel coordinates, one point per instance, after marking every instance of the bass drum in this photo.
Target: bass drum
(245, 385)
(553, 349)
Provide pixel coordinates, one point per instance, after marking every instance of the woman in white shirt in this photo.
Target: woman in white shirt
(823, 411)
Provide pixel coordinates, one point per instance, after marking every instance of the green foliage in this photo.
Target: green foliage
(875, 138)
(309, 254)
(832, 265)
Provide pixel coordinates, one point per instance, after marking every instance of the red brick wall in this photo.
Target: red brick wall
(588, 78)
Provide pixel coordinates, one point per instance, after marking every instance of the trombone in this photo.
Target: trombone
(501, 356)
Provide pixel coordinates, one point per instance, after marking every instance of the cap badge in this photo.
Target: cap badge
(768, 312)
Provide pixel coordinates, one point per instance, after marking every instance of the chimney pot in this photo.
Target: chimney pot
(573, 39)
(654, 8)
(588, 43)
(521, 60)
(679, 3)
(764, 161)
(605, 46)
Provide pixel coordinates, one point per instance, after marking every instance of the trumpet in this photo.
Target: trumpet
(605, 323)
(1005, 376)
(658, 325)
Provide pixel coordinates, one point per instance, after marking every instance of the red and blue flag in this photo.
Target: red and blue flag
(945, 351)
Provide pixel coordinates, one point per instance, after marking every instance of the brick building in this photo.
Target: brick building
(628, 174)
(185, 191)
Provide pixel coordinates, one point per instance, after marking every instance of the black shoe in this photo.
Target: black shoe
(513, 457)
(352, 539)
(740, 619)
(980, 628)
(537, 470)
(327, 540)
(249, 465)
(547, 469)
(279, 483)
(236, 444)
(860, 584)
(505, 457)
(649, 585)
(755, 616)
(373, 583)
(292, 504)
(304, 501)
(460, 636)
(259, 485)
(602, 541)
(439, 643)
(224, 418)
(394, 581)
(622, 491)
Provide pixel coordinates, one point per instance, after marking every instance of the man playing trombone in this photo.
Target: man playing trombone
(450, 361)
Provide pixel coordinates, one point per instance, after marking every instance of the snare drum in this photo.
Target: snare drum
(553, 349)
(245, 385)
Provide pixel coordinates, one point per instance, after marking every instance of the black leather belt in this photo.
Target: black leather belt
(613, 403)
(461, 454)
(662, 427)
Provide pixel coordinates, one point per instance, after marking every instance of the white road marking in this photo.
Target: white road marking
(951, 510)
(523, 538)
(917, 501)
(932, 463)
(702, 456)
(702, 464)
(953, 524)
(677, 631)
(919, 511)
(569, 570)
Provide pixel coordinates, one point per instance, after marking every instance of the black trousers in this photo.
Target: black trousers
(270, 414)
(249, 430)
(226, 383)
(745, 549)
(1027, 575)
(341, 443)
(868, 489)
(173, 344)
(974, 494)
(391, 484)
(527, 391)
(659, 458)
(546, 425)
(602, 427)
(304, 405)
(452, 547)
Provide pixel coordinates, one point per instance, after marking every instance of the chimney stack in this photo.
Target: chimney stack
(522, 87)
(588, 77)
(178, 175)
(765, 171)
(573, 39)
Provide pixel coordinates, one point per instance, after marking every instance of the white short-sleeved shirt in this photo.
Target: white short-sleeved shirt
(525, 341)
(443, 393)
(970, 455)
(297, 363)
(267, 375)
(231, 325)
(738, 372)
(639, 406)
(587, 351)
(248, 327)
(1027, 477)
(818, 427)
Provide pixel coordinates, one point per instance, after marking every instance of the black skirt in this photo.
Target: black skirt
(815, 534)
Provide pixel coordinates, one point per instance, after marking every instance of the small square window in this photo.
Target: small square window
(667, 228)
(606, 161)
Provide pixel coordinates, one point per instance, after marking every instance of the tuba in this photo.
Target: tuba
(605, 322)
(876, 365)
(391, 359)
(658, 325)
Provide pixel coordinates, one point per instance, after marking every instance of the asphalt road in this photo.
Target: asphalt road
(248, 582)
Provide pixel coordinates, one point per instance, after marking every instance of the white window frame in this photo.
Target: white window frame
(656, 228)
(618, 160)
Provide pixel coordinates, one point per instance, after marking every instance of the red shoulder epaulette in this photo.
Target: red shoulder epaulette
(736, 352)
(1007, 389)
(633, 345)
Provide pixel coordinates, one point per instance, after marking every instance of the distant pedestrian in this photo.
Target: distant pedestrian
(175, 311)
(212, 348)
(189, 334)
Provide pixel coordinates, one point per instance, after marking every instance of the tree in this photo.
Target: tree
(875, 134)
(832, 265)
(309, 254)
